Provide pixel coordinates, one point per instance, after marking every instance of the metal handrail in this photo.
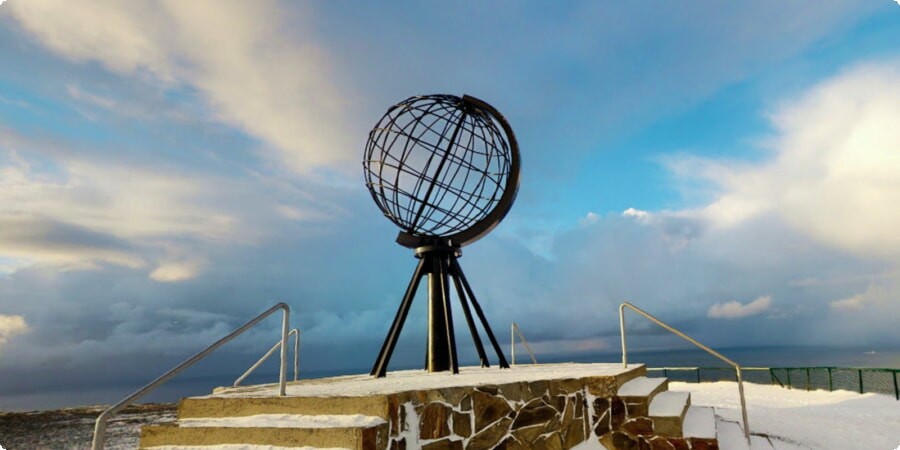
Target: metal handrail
(737, 367)
(513, 330)
(100, 424)
(269, 353)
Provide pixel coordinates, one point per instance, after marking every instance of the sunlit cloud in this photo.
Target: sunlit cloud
(11, 325)
(280, 91)
(833, 173)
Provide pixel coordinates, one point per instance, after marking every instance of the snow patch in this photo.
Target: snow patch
(795, 419)
(419, 380)
(238, 447)
(286, 421)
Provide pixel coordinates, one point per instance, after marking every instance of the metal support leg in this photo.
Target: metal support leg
(438, 351)
(443, 265)
(384, 356)
(465, 307)
(480, 313)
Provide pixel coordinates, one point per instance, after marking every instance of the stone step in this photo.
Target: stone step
(667, 411)
(643, 388)
(281, 430)
(700, 423)
(638, 392)
(198, 407)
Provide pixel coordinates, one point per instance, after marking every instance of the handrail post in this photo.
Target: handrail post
(622, 331)
(514, 329)
(296, 353)
(282, 375)
(512, 342)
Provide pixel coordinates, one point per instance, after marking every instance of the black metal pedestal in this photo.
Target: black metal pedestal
(439, 262)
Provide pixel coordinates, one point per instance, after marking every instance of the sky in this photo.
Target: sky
(170, 169)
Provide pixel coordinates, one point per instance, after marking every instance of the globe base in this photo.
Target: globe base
(438, 260)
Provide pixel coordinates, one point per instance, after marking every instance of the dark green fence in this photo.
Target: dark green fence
(859, 379)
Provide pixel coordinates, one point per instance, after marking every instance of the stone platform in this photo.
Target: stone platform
(551, 406)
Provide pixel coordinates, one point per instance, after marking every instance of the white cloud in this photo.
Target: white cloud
(833, 174)
(736, 310)
(237, 54)
(11, 325)
(874, 296)
(635, 213)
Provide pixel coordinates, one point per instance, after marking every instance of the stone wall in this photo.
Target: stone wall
(554, 414)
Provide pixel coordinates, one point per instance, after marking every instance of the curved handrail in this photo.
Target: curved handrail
(513, 330)
(100, 424)
(269, 353)
(647, 315)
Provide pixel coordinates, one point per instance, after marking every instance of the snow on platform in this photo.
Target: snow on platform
(286, 421)
(797, 419)
(415, 380)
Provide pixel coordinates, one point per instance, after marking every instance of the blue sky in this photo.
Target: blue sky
(169, 169)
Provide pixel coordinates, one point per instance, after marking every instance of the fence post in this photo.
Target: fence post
(772, 376)
(860, 381)
(896, 390)
(807, 379)
(830, 383)
(698, 374)
(665, 373)
(788, 370)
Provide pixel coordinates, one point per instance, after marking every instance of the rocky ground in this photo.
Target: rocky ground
(73, 428)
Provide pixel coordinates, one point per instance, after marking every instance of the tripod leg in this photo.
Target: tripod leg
(380, 367)
(448, 315)
(468, 313)
(484, 322)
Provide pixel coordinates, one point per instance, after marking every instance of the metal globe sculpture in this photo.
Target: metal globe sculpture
(445, 169)
(442, 166)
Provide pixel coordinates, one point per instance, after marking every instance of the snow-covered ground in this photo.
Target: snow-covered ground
(839, 420)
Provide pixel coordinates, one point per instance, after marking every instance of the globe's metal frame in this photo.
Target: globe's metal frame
(425, 212)
(445, 209)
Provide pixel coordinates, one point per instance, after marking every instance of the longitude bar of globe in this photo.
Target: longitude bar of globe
(394, 194)
(479, 185)
(444, 184)
(413, 142)
(460, 163)
(488, 157)
(413, 223)
(438, 170)
(410, 145)
(385, 146)
(448, 187)
(448, 154)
